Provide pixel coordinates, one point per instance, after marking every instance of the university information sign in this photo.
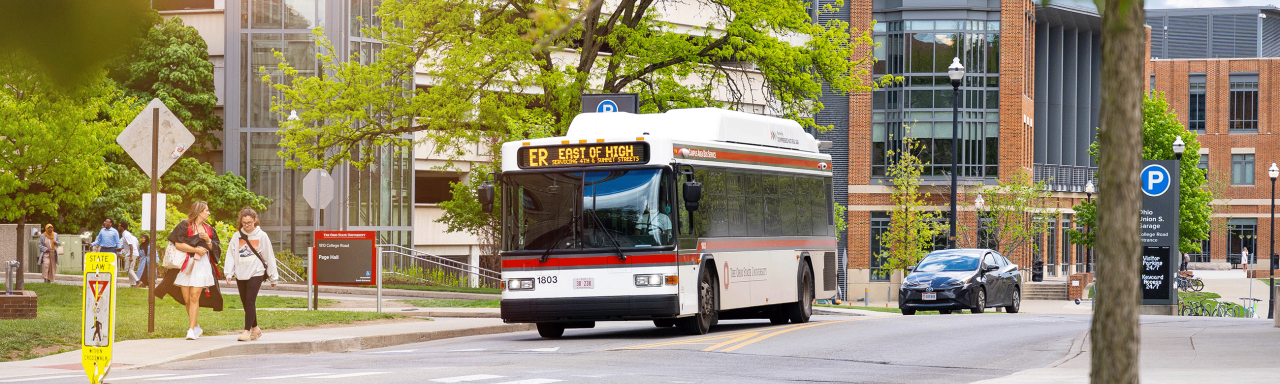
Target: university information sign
(99, 326)
(1158, 232)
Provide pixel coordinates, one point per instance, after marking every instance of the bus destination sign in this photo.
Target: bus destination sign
(583, 154)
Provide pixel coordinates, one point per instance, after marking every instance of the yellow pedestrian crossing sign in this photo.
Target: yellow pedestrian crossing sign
(99, 326)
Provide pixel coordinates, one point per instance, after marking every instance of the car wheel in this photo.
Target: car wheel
(664, 323)
(550, 330)
(803, 308)
(980, 305)
(700, 323)
(1017, 302)
(944, 311)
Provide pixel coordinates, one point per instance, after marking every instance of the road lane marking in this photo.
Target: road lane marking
(346, 375)
(533, 381)
(810, 325)
(40, 378)
(187, 377)
(552, 349)
(469, 350)
(744, 336)
(289, 376)
(141, 377)
(709, 339)
(400, 351)
(459, 379)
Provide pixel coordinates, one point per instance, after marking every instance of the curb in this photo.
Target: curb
(340, 345)
(1076, 349)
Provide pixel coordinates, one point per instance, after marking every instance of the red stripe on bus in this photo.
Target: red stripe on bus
(750, 157)
(589, 261)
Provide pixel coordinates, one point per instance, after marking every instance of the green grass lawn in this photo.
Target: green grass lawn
(442, 289)
(445, 303)
(1266, 280)
(894, 310)
(57, 325)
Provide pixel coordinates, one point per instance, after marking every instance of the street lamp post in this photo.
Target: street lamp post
(979, 205)
(1273, 172)
(956, 73)
(1178, 148)
(1088, 195)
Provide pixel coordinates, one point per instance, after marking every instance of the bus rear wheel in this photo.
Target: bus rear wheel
(550, 330)
(700, 323)
(803, 307)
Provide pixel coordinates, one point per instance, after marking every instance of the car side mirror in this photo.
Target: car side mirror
(911, 268)
(989, 268)
(692, 194)
(484, 193)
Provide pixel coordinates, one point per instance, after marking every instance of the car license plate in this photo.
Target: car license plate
(930, 295)
(587, 283)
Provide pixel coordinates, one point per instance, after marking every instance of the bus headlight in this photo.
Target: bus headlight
(520, 284)
(649, 280)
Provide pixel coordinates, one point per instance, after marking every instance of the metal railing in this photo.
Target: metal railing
(1064, 178)
(396, 258)
(288, 274)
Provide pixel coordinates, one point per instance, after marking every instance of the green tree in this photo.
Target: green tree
(1160, 126)
(70, 40)
(911, 228)
(50, 142)
(1011, 208)
(171, 62)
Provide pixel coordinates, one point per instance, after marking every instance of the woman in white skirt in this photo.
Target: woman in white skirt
(198, 239)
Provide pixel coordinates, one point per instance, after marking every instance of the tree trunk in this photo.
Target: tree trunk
(18, 280)
(1114, 333)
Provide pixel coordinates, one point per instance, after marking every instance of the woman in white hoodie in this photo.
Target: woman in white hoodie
(249, 261)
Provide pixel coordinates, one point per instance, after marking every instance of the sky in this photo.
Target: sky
(1157, 4)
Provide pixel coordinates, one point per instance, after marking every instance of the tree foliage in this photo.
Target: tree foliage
(1160, 126)
(171, 62)
(485, 68)
(911, 228)
(1010, 211)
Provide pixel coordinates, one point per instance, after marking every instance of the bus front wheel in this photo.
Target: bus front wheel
(700, 323)
(550, 330)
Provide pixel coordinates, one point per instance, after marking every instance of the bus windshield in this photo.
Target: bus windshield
(586, 210)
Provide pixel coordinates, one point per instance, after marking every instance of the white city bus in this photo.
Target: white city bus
(682, 218)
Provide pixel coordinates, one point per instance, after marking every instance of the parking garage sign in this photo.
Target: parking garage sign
(1158, 231)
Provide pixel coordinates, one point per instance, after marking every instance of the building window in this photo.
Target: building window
(1195, 109)
(433, 189)
(1241, 169)
(1242, 234)
(1244, 105)
(1203, 255)
(1051, 260)
(879, 225)
(1204, 165)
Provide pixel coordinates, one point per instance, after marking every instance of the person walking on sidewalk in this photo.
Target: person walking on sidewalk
(108, 238)
(248, 262)
(195, 284)
(48, 254)
(129, 251)
(144, 258)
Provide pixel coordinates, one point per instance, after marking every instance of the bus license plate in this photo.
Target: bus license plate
(584, 283)
(930, 295)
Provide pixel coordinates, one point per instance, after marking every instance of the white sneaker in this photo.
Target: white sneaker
(191, 334)
(199, 331)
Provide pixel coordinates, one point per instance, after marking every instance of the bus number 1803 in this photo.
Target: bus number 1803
(546, 280)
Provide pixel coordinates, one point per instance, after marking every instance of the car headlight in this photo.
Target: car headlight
(911, 283)
(520, 284)
(954, 283)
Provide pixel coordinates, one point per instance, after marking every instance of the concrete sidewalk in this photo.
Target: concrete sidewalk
(1180, 350)
(134, 354)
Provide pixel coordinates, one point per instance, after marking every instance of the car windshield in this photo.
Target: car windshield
(948, 262)
(579, 210)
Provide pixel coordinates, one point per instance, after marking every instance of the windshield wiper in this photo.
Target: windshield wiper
(600, 225)
(572, 228)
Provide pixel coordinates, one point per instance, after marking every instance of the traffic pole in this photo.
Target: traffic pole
(150, 273)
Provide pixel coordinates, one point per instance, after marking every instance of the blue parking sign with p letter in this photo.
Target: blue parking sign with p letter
(1155, 180)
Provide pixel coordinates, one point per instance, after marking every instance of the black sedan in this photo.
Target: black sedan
(958, 279)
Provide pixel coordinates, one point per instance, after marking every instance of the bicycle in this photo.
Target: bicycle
(1250, 307)
(1188, 283)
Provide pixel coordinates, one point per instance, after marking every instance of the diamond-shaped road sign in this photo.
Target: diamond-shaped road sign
(175, 139)
(317, 188)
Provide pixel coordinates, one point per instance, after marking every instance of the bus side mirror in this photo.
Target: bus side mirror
(484, 193)
(692, 194)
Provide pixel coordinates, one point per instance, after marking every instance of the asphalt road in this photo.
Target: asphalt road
(830, 349)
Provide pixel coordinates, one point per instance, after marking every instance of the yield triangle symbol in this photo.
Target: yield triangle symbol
(97, 287)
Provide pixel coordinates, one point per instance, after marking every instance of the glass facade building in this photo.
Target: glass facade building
(378, 198)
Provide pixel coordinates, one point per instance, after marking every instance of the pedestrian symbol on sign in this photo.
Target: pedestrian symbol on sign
(607, 106)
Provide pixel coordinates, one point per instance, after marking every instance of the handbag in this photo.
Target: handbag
(173, 258)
